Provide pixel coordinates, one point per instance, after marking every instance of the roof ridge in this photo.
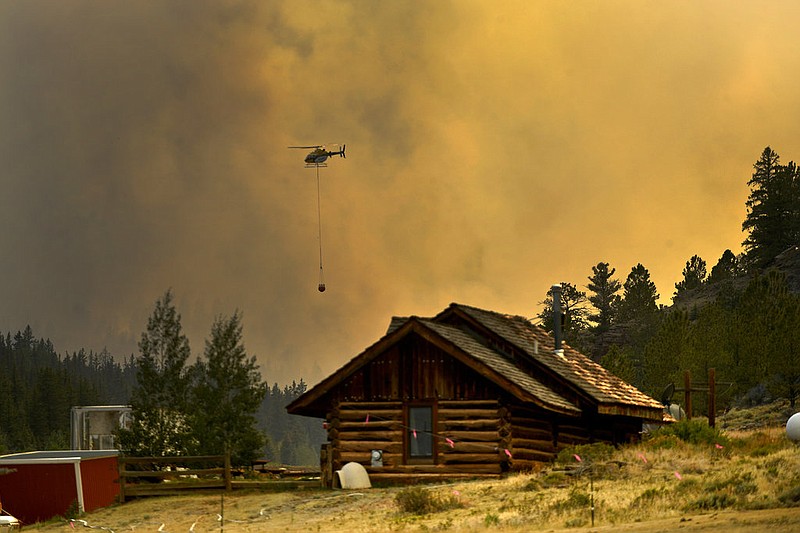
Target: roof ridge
(489, 311)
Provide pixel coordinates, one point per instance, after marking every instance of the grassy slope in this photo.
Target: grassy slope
(752, 483)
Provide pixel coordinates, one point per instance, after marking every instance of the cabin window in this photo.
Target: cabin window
(419, 436)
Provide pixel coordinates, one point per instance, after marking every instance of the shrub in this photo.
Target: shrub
(589, 453)
(790, 497)
(555, 479)
(577, 499)
(761, 444)
(717, 500)
(74, 511)
(694, 431)
(420, 501)
(659, 441)
(740, 484)
(533, 485)
(491, 519)
(647, 498)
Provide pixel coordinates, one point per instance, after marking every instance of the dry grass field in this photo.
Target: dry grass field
(745, 480)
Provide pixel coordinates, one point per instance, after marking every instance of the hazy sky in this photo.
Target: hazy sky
(493, 148)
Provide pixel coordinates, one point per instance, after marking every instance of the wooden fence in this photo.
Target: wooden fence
(152, 476)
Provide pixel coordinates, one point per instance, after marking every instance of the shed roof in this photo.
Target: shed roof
(54, 456)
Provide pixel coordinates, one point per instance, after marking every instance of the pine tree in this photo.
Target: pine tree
(158, 402)
(726, 268)
(767, 338)
(604, 297)
(694, 274)
(773, 210)
(667, 353)
(227, 395)
(574, 310)
(639, 295)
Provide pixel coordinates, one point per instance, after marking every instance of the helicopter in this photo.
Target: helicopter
(317, 157)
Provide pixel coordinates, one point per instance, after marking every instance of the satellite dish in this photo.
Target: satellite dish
(669, 392)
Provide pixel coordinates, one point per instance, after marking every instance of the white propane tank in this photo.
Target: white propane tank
(793, 427)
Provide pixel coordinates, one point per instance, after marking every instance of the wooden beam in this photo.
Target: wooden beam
(404, 478)
(454, 414)
(464, 447)
(375, 406)
(462, 404)
(478, 458)
(369, 445)
(484, 424)
(543, 445)
(377, 435)
(442, 470)
(475, 436)
(531, 433)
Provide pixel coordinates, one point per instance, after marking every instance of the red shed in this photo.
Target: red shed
(36, 486)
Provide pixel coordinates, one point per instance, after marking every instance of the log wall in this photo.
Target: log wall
(532, 441)
(490, 430)
(473, 426)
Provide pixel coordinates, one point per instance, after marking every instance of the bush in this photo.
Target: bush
(761, 444)
(555, 479)
(717, 500)
(694, 431)
(74, 511)
(660, 441)
(420, 501)
(577, 499)
(491, 519)
(533, 485)
(589, 453)
(790, 497)
(740, 484)
(648, 498)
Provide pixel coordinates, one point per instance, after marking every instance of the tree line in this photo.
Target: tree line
(38, 387)
(218, 403)
(742, 317)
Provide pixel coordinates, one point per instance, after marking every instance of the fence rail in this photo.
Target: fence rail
(174, 474)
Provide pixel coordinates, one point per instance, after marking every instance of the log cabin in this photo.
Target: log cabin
(468, 393)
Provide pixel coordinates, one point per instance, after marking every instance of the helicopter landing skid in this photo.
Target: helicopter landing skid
(321, 165)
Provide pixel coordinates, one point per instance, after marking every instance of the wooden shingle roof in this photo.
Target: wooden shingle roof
(612, 393)
(518, 355)
(503, 366)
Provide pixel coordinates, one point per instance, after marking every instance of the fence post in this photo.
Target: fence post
(121, 479)
(228, 483)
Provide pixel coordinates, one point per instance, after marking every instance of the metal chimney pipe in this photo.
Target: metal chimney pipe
(556, 291)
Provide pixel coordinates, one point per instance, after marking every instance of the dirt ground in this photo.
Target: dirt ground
(370, 511)
(770, 520)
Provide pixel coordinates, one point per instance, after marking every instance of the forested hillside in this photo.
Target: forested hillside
(742, 317)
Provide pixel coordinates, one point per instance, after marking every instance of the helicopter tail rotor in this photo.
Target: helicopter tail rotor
(343, 147)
